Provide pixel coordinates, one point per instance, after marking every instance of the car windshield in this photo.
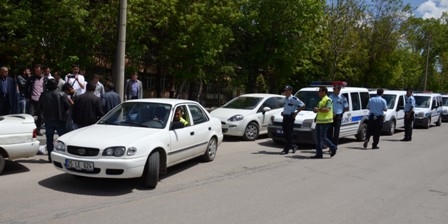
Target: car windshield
(390, 100)
(310, 98)
(445, 101)
(138, 114)
(422, 101)
(243, 102)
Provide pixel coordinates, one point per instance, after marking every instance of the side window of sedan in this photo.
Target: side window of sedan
(197, 114)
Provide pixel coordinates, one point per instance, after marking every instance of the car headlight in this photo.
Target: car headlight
(420, 114)
(131, 151)
(60, 146)
(445, 111)
(307, 123)
(116, 151)
(237, 117)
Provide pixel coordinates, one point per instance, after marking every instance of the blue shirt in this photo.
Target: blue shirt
(339, 103)
(291, 104)
(409, 104)
(377, 105)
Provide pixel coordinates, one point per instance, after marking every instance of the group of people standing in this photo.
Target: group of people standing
(329, 112)
(62, 104)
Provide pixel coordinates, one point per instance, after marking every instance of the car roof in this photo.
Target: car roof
(330, 88)
(162, 100)
(427, 94)
(260, 95)
(390, 92)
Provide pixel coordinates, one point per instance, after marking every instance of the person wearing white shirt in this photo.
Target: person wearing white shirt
(76, 80)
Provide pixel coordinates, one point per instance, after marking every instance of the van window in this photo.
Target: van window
(356, 103)
(365, 96)
(401, 101)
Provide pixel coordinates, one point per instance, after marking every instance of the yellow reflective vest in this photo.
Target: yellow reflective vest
(325, 117)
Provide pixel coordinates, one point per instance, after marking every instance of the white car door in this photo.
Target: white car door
(183, 141)
(274, 103)
(201, 128)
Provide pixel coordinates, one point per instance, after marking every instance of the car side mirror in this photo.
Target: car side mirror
(176, 125)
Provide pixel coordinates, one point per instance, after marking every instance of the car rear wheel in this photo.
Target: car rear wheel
(251, 132)
(210, 152)
(362, 132)
(2, 163)
(150, 176)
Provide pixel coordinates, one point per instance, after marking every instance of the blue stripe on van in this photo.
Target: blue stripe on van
(357, 118)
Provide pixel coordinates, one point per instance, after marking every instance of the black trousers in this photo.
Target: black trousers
(374, 126)
(408, 123)
(335, 128)
(288, 126)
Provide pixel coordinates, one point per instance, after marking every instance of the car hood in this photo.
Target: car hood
(100, 136)
(226, 113)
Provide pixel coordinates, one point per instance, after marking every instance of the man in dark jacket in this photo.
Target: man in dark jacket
(8, 93)
(110, 99)
(87, 108)
(35, 85)
(54, 106)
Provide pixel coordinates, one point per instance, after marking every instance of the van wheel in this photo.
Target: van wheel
(150, 176)
(2, 163)
(439, 121)
(391, 129)
(362, 132)
(428, 123)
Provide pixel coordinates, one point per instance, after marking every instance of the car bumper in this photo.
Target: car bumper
(233, 130)
(298, 135)
(420, 121)
(21, 150)
(103, 167)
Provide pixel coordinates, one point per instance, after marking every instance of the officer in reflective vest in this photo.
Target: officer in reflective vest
(324, 118)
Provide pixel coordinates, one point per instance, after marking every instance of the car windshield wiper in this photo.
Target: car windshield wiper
(133, 123)
(108, 122)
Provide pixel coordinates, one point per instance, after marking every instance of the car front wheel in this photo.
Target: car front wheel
(439, 121)
(362, 132)
(391, 129)
(2, 163)
(251, 132)
(150, 176)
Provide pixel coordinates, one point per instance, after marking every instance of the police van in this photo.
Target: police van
(428, 109)
(444, 107)
(394, 116)
(354, 121)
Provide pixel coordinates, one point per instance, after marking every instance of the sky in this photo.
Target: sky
(428, 8)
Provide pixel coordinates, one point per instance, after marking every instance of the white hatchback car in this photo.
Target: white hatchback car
(17, 137)
(248, 115)
(139, 138)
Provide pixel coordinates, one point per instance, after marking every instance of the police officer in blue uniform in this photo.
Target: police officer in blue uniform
(340, 105)
(291, 108)
(377, 105)
(409, 116)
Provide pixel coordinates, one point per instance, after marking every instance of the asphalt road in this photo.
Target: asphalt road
(249, 183)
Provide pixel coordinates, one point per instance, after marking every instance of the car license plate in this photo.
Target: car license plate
(79, 165)
(280, 131)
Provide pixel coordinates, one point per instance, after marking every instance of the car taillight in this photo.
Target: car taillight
(35, 133)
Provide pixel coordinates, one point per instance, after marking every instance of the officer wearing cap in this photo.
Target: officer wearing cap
(340, 105)
(291, 108)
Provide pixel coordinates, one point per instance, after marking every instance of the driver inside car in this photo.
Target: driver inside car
(178, 116)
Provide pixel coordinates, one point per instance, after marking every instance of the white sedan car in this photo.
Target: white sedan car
(248, 115)
(17, 137)
(139, 138)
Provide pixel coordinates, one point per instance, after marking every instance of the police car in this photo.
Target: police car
(394, 116)
(444, 107)
(428, 109)
(354, 121)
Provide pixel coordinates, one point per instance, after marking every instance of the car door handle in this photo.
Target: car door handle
(192, 133)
